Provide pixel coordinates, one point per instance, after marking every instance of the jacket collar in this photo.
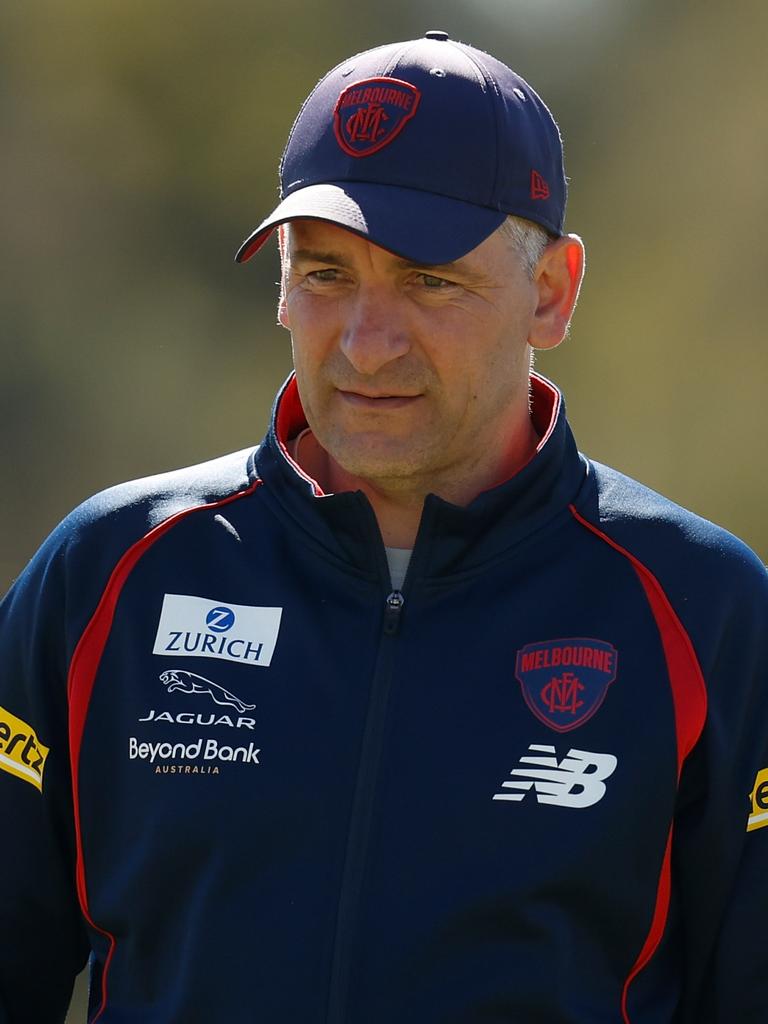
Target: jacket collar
(451, 539)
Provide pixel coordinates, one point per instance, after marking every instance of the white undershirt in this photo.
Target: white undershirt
(398, 559)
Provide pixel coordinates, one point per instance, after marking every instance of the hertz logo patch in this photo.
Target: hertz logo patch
(759, 797)
(21, 752)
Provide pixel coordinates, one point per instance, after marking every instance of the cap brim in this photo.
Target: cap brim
(419, 226)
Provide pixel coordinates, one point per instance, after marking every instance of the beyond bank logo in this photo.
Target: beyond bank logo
(201, 628)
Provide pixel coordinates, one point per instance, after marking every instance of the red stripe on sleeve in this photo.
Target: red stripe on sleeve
(689, 698)
(658, 923)
(82, 675)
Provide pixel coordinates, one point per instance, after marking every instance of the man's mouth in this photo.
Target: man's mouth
(381, 401)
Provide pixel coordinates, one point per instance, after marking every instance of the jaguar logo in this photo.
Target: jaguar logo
(188, 682)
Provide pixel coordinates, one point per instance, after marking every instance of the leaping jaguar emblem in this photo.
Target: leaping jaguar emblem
(188, 682)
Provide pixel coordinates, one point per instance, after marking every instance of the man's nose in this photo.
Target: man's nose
(375, 332)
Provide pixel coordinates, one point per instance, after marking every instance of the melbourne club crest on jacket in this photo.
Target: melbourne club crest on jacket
(371, 113)
(565, 681)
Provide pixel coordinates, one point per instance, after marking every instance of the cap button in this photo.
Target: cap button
(436, 33)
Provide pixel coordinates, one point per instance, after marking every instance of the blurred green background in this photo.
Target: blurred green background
(140, 143)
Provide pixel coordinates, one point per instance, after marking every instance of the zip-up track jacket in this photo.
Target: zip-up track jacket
(256, 787)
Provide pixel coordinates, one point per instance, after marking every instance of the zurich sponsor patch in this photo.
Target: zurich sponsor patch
(202, 628)
(565, 681)
(371, 113)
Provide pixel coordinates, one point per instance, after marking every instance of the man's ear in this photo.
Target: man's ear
(282, 244)
(558, 279)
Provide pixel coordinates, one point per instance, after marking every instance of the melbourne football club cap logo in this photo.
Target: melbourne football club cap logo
(564, 682)
(423, 147)
(371, 113)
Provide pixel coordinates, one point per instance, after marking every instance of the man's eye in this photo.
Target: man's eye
(325, 276)
(434, 283)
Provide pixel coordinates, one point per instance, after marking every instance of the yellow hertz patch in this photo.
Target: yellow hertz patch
(759, 797)
(21, 752)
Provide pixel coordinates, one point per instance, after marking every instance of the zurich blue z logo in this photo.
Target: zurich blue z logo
(220, 619)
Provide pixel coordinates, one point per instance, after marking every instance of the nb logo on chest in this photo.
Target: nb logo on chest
(576, 781)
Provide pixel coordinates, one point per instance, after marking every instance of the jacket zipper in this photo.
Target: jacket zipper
(392, 612)
(362, 813)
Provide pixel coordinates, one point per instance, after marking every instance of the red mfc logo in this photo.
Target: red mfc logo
(564, 682)
(562, 693)
(371, 113)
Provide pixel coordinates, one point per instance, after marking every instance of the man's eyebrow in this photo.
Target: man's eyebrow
(316, 256)
(452, 267)
(418, 265)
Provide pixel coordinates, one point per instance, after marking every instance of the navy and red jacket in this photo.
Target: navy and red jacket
(255, 785)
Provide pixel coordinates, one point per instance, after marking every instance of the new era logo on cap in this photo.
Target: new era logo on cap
(539, 187)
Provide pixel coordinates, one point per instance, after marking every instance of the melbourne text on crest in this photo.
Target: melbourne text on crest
(567, 656)
(377, 94)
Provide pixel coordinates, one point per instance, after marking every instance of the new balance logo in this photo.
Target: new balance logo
(576, 781)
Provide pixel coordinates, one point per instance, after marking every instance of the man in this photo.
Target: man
(414, 713)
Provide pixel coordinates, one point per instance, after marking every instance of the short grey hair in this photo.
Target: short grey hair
(527, 239)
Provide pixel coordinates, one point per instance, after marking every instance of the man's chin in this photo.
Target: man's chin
(374, 462)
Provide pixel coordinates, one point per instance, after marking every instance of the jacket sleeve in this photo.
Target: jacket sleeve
(722, 825)
(43, 942)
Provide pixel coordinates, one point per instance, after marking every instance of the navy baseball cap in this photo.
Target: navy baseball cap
(422, 147)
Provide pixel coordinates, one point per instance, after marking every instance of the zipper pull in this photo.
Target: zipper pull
(394, 607)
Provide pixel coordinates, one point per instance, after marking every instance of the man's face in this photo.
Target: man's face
(407, 374)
